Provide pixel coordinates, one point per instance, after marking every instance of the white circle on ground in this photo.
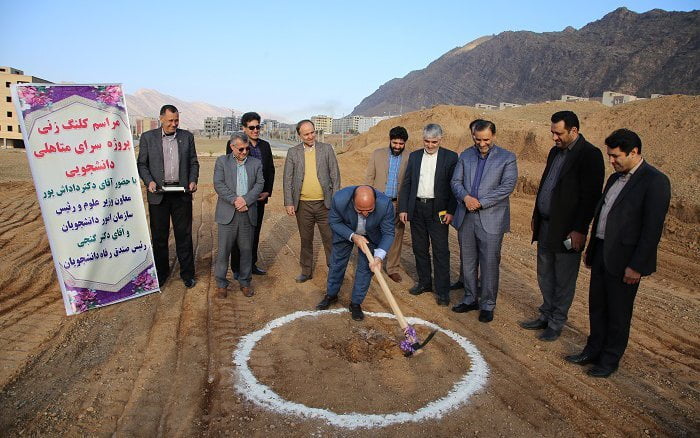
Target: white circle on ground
(249, 386)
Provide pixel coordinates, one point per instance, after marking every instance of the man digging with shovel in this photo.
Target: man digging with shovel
(362, 216)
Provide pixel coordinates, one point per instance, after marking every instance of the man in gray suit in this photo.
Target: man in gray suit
(238, 180)
(482, 182)
(311, 178)
(168, 166)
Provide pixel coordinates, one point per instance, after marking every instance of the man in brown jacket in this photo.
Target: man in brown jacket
(385, 172)
(311, 178)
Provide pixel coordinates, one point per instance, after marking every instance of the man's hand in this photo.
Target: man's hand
(193, 187)
(375, 265)
(152, 186)
(239, 203)
(263, 196)
(631, 276)
(403, 217)
(360, 241)
(472, 203)
(578, 240)
(290, 210)
(448, 219)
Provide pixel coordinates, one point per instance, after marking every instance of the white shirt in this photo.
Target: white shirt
(426, 179)
(611, 197)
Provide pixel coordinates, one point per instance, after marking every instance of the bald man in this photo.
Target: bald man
(359, 216)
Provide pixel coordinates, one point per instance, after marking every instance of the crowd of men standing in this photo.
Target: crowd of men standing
(431, 189)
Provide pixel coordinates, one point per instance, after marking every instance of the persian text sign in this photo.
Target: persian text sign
(81, 155)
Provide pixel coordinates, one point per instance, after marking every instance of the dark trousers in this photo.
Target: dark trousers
(312, 213)
(235, 251)
(557, 273)
(427, 232)
(610, 304)
(339, 263)
(178, 207)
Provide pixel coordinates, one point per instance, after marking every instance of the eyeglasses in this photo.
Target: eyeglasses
(243, 149)
(254, 127)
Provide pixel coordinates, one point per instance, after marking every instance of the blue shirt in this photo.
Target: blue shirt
(481, 163)
(241, 178)
(255, 151)
(392, 182)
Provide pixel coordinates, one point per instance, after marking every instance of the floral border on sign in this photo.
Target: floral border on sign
(32, 97)
(84, 299)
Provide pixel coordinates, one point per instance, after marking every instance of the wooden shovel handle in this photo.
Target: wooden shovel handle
(385, 288)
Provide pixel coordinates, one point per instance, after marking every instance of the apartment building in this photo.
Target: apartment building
(10, 134)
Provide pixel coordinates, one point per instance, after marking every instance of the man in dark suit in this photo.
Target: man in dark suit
(260, 149)
(427, 201)
(168, 166)
(482, 182)
(627, 228)
(238, 180)
(569, 191)
(359, 215)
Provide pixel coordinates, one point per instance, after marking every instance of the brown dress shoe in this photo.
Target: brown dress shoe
(221, 292)
(396, 277)
(247, 291)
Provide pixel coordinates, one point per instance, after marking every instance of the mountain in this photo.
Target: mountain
(147, 103)
(627, 52)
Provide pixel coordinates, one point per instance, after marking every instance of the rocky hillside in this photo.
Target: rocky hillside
(640, 54)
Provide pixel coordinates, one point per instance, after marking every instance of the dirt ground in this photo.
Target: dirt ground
(162, 365)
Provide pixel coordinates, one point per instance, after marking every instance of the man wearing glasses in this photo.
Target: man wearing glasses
(311, 178)
(238, 180)
(260, 149)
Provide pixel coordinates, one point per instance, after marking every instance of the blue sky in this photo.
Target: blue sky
(289, 59)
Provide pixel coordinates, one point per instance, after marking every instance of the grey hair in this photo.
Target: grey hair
(432, 130)
(239, 135)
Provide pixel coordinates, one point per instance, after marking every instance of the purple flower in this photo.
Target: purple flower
(145, 281)
(34, 96)
(85, 299)
(111, 94)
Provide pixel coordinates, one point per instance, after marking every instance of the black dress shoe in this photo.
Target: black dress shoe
(579, 359)
(258, 271)
(443, 301)
(486, 316)
(463, 308)
(457, 285)
(549, 335)
(419, 289)
(356, 311)
(301, 278)
(189, 283)
(326, 302)
(533, 324)
(599, 371)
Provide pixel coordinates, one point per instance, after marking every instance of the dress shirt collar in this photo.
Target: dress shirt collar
(163, 134)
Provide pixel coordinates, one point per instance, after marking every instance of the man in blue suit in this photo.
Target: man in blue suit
(482, 182)
(359, 215)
